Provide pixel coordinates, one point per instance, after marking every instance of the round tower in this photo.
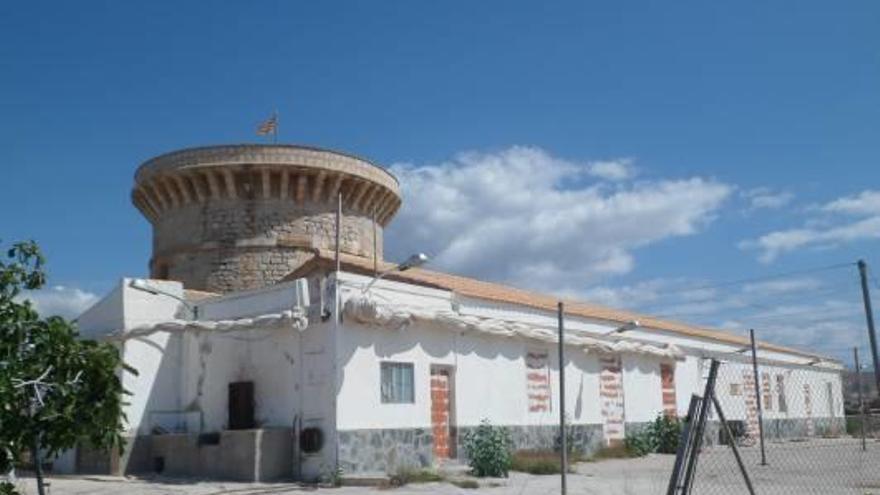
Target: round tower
(235, 217)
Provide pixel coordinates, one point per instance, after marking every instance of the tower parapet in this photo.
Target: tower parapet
(235, 217)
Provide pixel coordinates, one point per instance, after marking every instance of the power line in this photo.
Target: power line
(761, 279)
(665, 293)
(812, 311)
(800, 297)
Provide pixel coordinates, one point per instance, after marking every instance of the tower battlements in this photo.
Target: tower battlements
(236, 217)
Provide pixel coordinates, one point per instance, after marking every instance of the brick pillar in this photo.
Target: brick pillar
(667, 386)
(611, 399)
(766, 396)
(752, 427)
(440, 413)
(808, 409)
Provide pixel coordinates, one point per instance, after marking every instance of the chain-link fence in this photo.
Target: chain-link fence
(790, 430)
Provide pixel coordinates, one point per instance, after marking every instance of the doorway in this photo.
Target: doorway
(442, 418)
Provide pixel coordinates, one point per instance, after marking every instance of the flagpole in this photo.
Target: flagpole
(275, 131)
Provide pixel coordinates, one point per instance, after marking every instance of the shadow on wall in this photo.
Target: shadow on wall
(187, 435)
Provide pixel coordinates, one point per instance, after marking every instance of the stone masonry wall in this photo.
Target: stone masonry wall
(235, 217)
(386, 450)
(233, 245)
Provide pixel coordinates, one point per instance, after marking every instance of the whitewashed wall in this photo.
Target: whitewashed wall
(490, 372)
(733, 377)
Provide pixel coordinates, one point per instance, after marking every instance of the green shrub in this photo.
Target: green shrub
(488, 450)
(7, 488)
(666, 431)
(854, 426)
(660, 436)
(638, 444)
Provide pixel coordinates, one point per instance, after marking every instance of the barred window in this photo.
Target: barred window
(397, 383)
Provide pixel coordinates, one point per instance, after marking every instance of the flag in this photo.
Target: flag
(269, 126)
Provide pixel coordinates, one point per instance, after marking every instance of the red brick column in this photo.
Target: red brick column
(611, 399)
(808, 409)
(440, 414)
(752, 427)
(667, 386)
(766, 396)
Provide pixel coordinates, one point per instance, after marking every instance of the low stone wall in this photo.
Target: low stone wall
(786, 429)
(585, 438)
(386, 450)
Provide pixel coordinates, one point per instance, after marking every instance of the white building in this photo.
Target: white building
(279, 381)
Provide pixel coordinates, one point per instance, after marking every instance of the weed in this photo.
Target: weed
(406, 475)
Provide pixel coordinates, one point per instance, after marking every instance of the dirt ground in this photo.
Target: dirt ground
(819, 466)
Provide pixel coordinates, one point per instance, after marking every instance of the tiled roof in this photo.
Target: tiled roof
(470, 287)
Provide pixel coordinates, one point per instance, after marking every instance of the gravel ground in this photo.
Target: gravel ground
(821, 466)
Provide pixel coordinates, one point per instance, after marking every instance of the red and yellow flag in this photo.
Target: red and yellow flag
(269, 126)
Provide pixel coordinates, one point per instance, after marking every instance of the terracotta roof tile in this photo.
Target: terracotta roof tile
(501, 293)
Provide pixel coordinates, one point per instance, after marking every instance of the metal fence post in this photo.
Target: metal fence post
(758, 397)
(700, 427)
(861, 401)
(564, 441)
(726, 428)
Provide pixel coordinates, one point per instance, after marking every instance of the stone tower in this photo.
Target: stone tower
(235, 217)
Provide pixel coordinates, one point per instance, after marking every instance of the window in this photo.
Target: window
(397, 383)
(780, 393)
(735, 390)
(829, 394)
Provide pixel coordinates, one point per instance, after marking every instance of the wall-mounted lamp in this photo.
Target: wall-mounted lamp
(413, 261)
(625, 328)
(143, 286)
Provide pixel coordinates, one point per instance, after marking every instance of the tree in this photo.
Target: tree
(56, 390)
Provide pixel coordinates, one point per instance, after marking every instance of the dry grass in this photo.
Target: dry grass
(611, 452)
(540, 461)
(407, 475)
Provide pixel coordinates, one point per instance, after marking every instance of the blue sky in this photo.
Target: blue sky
(665, 144)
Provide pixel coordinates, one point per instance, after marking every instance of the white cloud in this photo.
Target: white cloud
(765, 198)
(615, 170)
(853, 218)
(822, 314)
(864, 203)
(524, 217)
(782, 286)
(67, 302)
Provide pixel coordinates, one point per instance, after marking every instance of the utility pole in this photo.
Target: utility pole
(563, 440)
(869, 316)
